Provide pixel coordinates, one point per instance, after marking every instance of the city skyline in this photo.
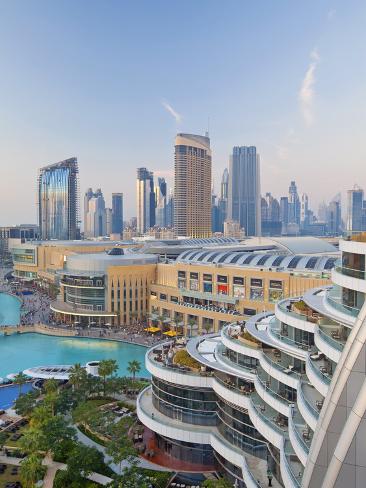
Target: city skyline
(293, 120)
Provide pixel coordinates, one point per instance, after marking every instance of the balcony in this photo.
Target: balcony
(330, 340)
(335, 300)
(241, 342)
(279, 335)
(309, 403)
(291, 468)
(211, 308)
(246, 372)
(158, 364)
(318, 372)
(280, 366)
(300, 435)
(271, 395)
(232, 392)
(353, 279)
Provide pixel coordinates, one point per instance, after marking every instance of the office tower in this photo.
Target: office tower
(95, 223)
(87, 196)
(145, 200)
(244, 204)
(170, 210)
(109, 222)
(355, 210)
(161, 202)
(294, 205)
(58, 200)
(117, 213)
(216, 217)
(192, 193)
(270, 216)
(304, 210)
(284, 213)
(333, 216)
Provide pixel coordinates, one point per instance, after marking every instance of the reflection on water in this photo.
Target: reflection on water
(91, 344)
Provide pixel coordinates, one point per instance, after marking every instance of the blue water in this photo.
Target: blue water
(9, 393)
(9, 310)
(21, 351)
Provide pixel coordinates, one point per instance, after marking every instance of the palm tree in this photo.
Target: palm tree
(190, 324)
(31, 470)
(134, 367)
(77, 376)
(20, 379)
(207, 327)
(106, 368)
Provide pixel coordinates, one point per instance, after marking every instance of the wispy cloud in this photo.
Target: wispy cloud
(170, 109)
(306, 94)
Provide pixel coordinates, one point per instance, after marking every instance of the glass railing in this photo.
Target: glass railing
(276, 331)
(329, 339)
(310, 406)
(324, 377)
(353, 273)
(305, 446)
(273, 393)
(231, 386)
(295, 476)
(236, 340)
(281, 367)
(152, 357)
(268, 411)
(221, 352)
(283, 306)
(334, 298)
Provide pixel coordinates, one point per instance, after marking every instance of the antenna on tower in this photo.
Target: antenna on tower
(208, 127)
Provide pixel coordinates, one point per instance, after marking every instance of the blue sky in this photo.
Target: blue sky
(95, 79)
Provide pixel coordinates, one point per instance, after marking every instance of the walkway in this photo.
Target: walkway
(52, 468)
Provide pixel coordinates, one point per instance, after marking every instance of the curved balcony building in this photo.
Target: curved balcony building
(282, 394)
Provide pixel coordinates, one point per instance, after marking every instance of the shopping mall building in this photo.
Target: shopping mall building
(189, 287)
(278, 394)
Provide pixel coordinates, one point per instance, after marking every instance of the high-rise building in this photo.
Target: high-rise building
(95, 214)
(58, 200)
(170, 210)
(145, 200)
(333, 216)
(161, 202)
(270, 215)
(294, 205)
(109, 222)
(244, 200)
(304, 210)
(284, 213)
(192, 193)
(355, 209)
(117, 213)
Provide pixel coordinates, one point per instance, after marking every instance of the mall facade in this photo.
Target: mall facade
(279, 395)
(190, 288)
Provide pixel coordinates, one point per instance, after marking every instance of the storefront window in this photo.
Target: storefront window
(222, 289)
(181, 283)
(207, 287)
(239, 291)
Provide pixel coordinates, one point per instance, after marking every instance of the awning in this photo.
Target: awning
(170, 333)
(152, 329)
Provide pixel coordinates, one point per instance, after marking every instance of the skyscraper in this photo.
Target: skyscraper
(244, 202)
(355, 209)
(304, 210)
(192, 194)
(333, 217)
(95, 214)
(117, 213)
(294, 205)
(145, 200)
(58, 200)
(161, 202)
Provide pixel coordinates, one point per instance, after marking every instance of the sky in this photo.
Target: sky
(111, 82)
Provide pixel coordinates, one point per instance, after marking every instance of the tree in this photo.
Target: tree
(106, 368)
(120, 447)
(134, 367)
(191, 324)
(77, 376)
(220, 483)
(51, 396)
(132, 477)
(206, 326)
(55, 431)
(83, 461)
(84, 413)
(25, 403)
(31, 470)
(32, 441)
(20, 379)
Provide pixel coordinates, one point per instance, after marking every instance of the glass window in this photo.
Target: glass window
(193, 285)
(256, 294)
(221, 279)
(222, 289)
(239, 291)
(275, 295)
(250, 311)
(238, 280)
(207, 287)
(162, 296)
(181, 283)
(193, 276)
(276, 284)
(181, 274)
(207, 277)
(256, 282)
(174, 299)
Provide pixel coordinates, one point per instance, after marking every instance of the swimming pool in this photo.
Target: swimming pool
(9, 393)
(9, 310)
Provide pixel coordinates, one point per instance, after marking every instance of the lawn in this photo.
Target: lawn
(6, 477)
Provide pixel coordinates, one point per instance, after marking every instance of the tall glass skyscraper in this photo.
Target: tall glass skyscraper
(58, 200)
(244, 203)
(145, 200)
(117, 213)
(355, 205)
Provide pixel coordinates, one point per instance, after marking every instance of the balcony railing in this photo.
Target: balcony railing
(330, 340)
(352, 273)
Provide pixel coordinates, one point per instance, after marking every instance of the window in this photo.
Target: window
(174, 299)
(276, 284)
(207, 277)
(193, 276)
(257, 294)
(221, 279)
(162, 296)
(275, 295)
(193, 285)
(153, 293)
(238, 280)
(181, 283)
(256, 282)
(207, 287)
(239, 291)
(222, 289)
(181, 274)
